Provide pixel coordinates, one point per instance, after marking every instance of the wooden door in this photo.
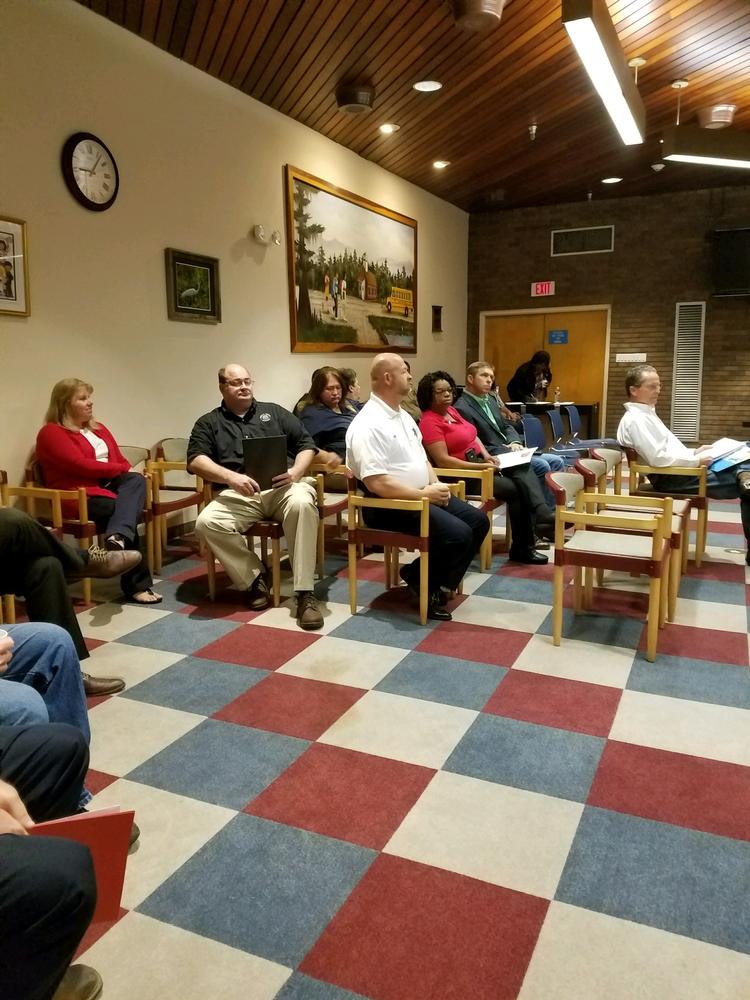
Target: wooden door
(578, 365)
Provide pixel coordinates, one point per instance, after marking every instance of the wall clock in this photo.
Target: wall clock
(90, 171)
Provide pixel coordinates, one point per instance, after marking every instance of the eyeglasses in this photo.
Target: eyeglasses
(237, 382)
(442, 392)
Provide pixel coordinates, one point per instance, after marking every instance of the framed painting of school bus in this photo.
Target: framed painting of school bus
(352, 271)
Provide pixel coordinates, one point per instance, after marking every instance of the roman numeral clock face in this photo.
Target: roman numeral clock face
(90, 171)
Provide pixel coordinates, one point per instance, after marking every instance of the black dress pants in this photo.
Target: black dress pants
(34, 564)
(120, 516)
(527, 484)
(519, 511)
(47, 885)
(456, 533)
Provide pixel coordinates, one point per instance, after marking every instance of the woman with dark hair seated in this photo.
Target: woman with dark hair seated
(326, 416)
(74, 450)
(452, 442)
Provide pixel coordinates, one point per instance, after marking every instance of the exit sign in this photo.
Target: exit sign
(542, 288)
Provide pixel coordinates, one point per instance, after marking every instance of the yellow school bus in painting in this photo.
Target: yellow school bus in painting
(400, 300)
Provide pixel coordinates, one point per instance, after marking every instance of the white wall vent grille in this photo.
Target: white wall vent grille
(690, 320)
(594, 239)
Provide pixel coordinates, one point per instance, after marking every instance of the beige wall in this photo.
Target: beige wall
(199, 164)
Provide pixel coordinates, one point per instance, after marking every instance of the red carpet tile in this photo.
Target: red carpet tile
(551, 701)
(701, 644)
(344, 794)
(225, 610)
(92, 644)
(612, 602)
(367, 569)
(257, 646)
(97, 780)
(478, 643)
(409, 930)
(222, 580)
(725, 527)
(721, 572)
(707, 795)
(521, 571)
(293, 706)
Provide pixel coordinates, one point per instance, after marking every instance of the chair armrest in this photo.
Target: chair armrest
(699, 472)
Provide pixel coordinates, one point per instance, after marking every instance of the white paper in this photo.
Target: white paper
(512, 458)
(721, 448)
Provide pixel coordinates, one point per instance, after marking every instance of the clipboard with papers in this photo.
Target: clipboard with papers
(510, 459)
(265, 457)
(734, 457)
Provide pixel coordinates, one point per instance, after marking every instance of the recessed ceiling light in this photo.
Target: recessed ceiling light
(427, 86)
(441, 164)
(388, 128)
(611, 180)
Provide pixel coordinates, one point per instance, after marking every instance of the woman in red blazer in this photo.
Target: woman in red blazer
(74, 450)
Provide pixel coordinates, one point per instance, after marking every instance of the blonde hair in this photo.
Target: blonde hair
(59, 401)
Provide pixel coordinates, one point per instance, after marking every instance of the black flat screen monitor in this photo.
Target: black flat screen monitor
(731, 261)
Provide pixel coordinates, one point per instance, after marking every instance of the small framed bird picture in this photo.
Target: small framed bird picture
(193, 294)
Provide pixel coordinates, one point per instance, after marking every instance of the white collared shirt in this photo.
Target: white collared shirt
(382, 441)
(640, 428)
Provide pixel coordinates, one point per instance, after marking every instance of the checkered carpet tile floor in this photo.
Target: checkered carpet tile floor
(460, 810)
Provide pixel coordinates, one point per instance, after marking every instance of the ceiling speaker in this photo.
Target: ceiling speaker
(477, 15)
(354, 98)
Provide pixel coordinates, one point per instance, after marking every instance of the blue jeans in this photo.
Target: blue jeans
(21, 705)
(44, 658)
(540, 466)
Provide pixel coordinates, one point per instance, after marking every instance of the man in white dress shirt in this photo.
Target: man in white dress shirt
(384, 451)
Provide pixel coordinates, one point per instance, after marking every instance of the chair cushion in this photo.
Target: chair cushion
(611, 543)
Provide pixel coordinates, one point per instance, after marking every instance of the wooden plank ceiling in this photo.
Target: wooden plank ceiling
(292, 55)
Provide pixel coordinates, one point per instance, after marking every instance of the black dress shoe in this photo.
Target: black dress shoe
(258, 593)
(409, 579)
(529, 556)
(95, 687)
(545, 529)
(436, 612)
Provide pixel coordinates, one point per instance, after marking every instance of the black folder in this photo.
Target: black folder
(265, 457)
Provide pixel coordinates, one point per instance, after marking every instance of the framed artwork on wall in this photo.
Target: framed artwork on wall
(352, 271)
(14, 268)
(193, 294)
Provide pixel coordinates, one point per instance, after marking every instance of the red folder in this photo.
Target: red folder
(106, 832)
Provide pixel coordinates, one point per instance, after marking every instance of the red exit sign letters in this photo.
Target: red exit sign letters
(542, 288)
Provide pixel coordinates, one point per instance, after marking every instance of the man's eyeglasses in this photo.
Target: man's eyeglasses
(237, 382)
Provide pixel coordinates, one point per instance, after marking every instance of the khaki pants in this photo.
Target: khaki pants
(221, 525)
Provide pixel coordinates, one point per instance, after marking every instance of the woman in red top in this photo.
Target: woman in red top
(74, 450)
(452, 442)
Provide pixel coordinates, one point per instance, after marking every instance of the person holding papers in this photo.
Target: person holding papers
(216, 453)
(479, 406)
(641, 429)
(452, 442)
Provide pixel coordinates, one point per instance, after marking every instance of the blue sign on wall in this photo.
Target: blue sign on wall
(557, 337)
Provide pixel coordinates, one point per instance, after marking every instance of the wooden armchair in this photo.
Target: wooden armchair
(329, 504)
(167, 498)
(638, 545)
(392, 541)
(480, 493)
(698, 501)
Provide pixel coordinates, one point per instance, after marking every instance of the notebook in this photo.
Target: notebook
(106, 833)
(733, 458)
(265, 457)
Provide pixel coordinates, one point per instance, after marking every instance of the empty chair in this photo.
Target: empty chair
(574, 438)
(535, 438)
(638, 545)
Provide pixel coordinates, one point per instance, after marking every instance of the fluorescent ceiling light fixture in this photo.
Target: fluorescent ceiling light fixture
(611, 180)
(441, 164)
(388, 128)
(593, 34)
(427, 86)
(711, 148)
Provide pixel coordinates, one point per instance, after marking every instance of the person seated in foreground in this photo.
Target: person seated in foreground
(452, 442)
(384, 451)
(352, 389)
(479, 407)
(74, 450)
(640, 428)
(47, 884)
(41, 682)
(35, 565)
(216, 454)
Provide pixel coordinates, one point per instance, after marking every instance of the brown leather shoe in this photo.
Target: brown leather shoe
(103, 564)
(97, 686)
(258, 593)
(308, 612)
(80, 982)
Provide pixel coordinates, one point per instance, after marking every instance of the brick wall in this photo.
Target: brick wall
(661, 256)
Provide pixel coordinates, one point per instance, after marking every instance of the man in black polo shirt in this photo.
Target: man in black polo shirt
(215, 452)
